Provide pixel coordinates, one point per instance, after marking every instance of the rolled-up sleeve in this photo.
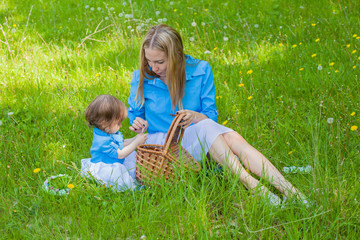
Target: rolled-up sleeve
(208, 104)
(135, 109)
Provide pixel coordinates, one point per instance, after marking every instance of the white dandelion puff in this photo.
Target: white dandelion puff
(330, 120)
(225, 39)
(193, 24)
(92, 9)
(10, 113)
(207, 52)
(320, 67)
(87, 6)
(157, 12)
(160, 20)
(1, 123)
(112, 9)
(121, 14)
(164, 19)
(13, 30)
(99, 8)
(192, 39)
(106, 18)
(203, 24)
(256, 25)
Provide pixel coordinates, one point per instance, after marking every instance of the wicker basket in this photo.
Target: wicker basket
(156, 162)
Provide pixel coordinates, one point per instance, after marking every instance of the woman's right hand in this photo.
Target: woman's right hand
(139, 125)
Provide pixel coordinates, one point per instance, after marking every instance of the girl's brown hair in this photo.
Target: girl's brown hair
(104, 110)
(168, 40)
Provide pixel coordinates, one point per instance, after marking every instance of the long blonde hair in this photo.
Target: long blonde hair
(168, 40)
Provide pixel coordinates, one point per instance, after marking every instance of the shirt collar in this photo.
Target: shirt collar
(103, 133)
(192, 68)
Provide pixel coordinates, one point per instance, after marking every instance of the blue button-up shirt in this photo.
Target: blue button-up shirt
(104, 147)
(199, 96)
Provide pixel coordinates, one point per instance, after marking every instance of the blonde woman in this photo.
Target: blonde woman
(169, 82)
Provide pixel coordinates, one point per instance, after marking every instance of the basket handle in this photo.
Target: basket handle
(175, 132)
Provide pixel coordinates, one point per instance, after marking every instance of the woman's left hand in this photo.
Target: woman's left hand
(191, 117)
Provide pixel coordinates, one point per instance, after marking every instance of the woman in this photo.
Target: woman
(170, 81)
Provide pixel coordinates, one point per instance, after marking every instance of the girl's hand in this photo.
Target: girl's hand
(139, 125)
(140, 138)
(191, 117)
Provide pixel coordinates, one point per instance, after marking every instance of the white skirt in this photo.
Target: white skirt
(116, 175)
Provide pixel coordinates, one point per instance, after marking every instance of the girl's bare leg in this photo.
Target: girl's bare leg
(257, 163)
(221, 152)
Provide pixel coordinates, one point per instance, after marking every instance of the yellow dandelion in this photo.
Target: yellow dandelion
(206, 9)
(290, 152)
(195, 13)
(355, 35)
(294, 46)
(354, 128)
(336, 71)
(353, 114)
(71, 186)
(36, 170)
(301, 69)
(250, 97)
(249, 72)
(317, 40)
(218, 97)
(353, 52)
(225, 122)
(354, 67)
(215, 48)
(175, 10)
(14, 25)
(241, 85)
(96, 75)
(331, 64)
(348, 45)
(359, 57)
(314, 55)
(280, 44)
(300, 43)
(240, 72)
(181, 14)
(313, 24)
(287, 143)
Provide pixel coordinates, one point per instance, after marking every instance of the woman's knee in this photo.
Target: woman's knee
(234, 137)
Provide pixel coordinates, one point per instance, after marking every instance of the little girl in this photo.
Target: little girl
(109, 149)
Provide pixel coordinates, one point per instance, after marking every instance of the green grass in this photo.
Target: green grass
(48, 79)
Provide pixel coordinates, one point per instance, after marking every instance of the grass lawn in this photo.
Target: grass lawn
(287, 79)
